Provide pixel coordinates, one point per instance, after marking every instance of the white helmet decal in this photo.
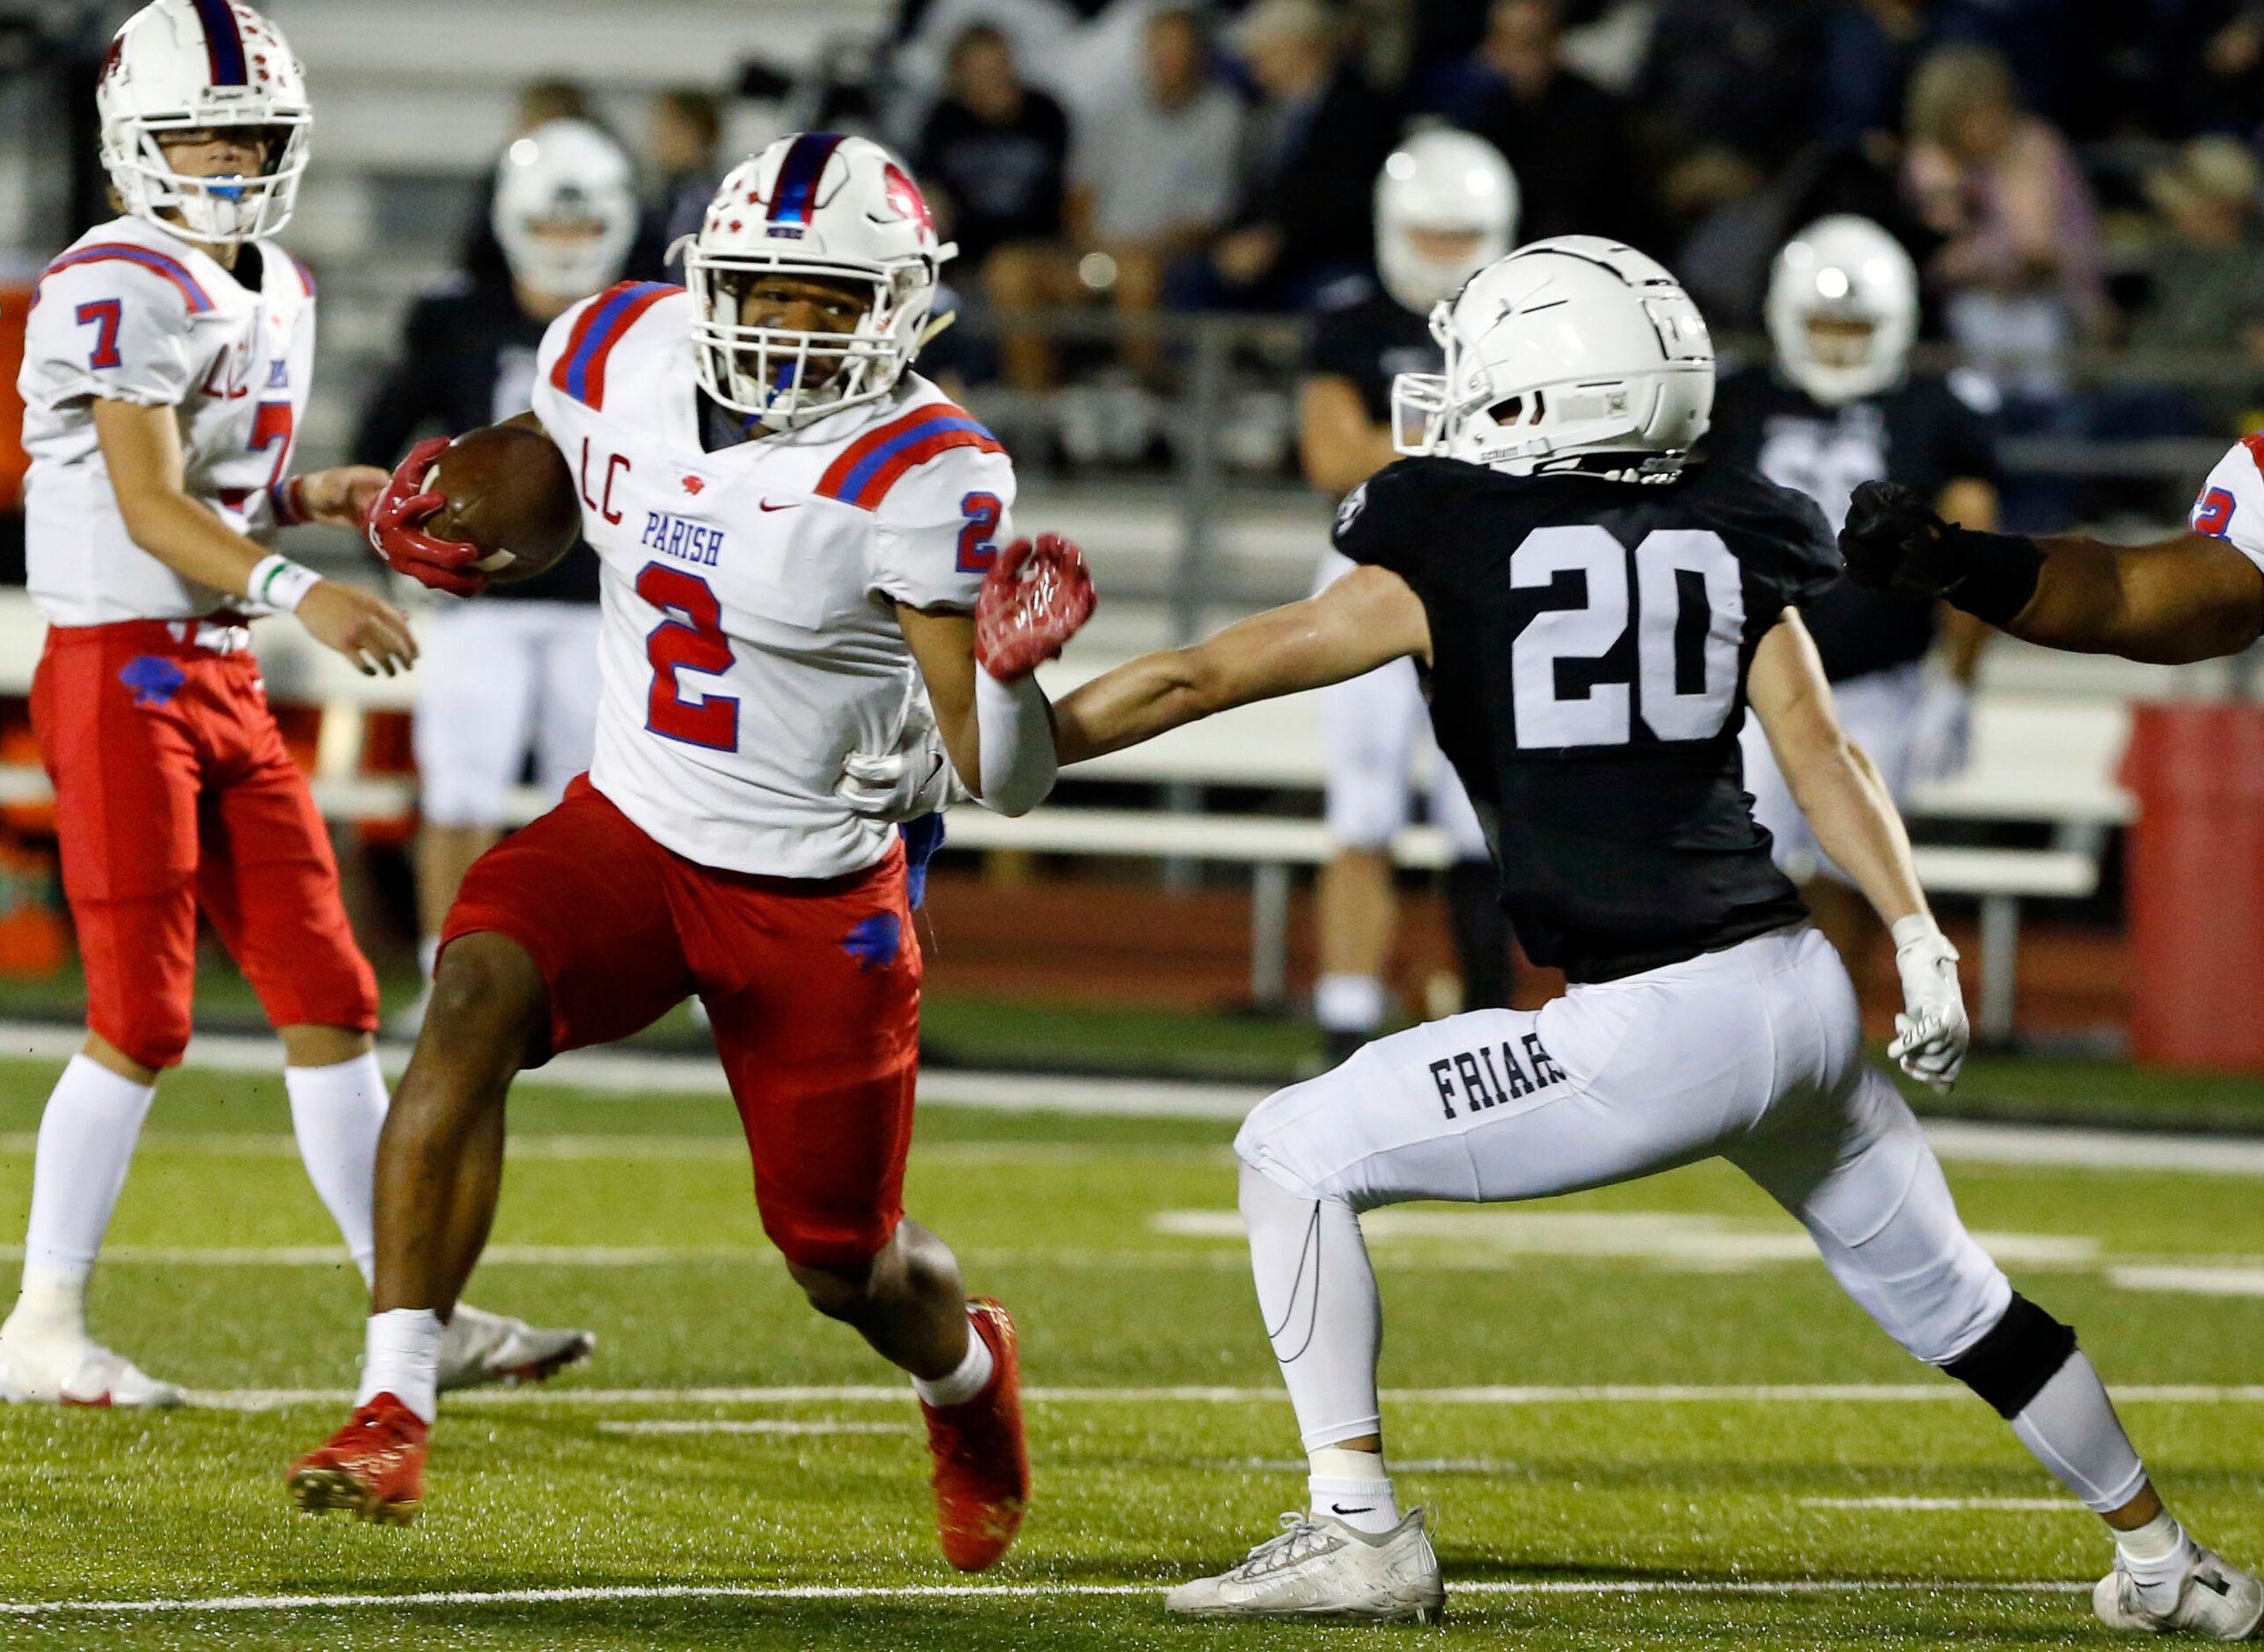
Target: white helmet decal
(819, 205)
(197, 65)
(1844, 269)
(566, 173)
(1443, 182)
(1563, 356)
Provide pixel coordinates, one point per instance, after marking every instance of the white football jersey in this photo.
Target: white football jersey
(751, 641)
(2231, 503)
(133, 313)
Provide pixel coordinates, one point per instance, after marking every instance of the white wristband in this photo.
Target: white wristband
(279, 582)
(1916, 927)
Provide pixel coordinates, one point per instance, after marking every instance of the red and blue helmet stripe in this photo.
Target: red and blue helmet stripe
(796, 190)
(224, 42)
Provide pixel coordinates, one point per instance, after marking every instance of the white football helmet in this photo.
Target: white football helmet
(1441, 182)
(193, 65)
(1573, 354)
(819, 205)
(1847, 270)
(566, 209)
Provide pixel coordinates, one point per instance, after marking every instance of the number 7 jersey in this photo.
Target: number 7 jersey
(1590, 641)
(749, 641)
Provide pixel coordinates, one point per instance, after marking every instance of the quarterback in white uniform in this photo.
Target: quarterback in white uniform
(799, 537)
(166, 364)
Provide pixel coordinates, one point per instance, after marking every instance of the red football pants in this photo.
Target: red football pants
(812, 987)
(173, 790)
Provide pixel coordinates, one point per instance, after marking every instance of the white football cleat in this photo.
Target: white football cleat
(2211, 1599)
(482, 1348)
(66, 1371)
(1321, 1568)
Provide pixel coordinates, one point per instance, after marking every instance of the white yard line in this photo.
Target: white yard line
(1927, 1505)
(987, 1591)
(751, 1425)
(2199, 1278)
(1606, 1393)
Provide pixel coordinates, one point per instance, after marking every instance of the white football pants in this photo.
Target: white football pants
(1752, 1054)
(1373, 728)
(1878, 711)
(495, 679)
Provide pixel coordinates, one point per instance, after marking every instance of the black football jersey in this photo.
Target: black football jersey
(1590, 641)
(1371, 340)
(467, 359)
(1921, 434)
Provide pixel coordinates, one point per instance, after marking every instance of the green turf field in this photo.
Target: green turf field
(691, 1505)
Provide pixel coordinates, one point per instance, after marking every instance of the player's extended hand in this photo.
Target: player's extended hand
(1035, 598)
(1893, 541)
(914, 777)
(1931, 1033)
(340, 496)
(367, 629)
(395, 522)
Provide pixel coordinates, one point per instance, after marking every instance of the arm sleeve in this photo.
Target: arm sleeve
(109, 329)
(2230, 506)
(940, 527)
(405, 397)
(1363, 531)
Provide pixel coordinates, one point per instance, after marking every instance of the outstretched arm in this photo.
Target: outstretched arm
(1368, 618)
(1856, 822)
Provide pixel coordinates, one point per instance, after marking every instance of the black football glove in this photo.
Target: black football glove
(1895, 542)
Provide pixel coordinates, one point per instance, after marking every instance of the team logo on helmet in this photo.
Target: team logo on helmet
(905, 196)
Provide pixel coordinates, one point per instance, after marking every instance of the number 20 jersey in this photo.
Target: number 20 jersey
(1590, 642)
(132, 313)
(749, 641)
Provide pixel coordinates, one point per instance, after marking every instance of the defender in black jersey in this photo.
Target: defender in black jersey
(514, 674)
(1445, 208)
(1837, 406)
(1595, 614)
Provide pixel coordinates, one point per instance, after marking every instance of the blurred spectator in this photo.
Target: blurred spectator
(1043, 34)
(2232, 78)
(2019, 259)
(1729, 91)
(1153, 176)
(995, 153)
(2206, 276)
(1566, 136)
(1317, 126)
(540, 103)
(687, 130)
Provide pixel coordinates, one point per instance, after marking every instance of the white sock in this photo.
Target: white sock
(400, 1357)
(972, 1376)
(428, 957)
(1348, 1004)
(2157, 1556)
(2071, 1428)
(87, 1134)
(1350, 1487)
(336, 1112)
(1318, 1295)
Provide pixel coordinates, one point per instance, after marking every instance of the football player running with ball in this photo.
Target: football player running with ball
(798, 535)
(1595, 612)
(166, 363)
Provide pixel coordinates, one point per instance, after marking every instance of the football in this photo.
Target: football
(510, 492)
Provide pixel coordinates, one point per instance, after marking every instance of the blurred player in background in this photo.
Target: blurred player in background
(795, 529)
(2197, 597)
(165, 369)
(518, 670)
(1596, 612)
(1840, 406)
(1446, 206)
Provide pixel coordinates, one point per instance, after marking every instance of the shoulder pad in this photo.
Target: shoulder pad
(597, 328)
(864, 471)
(161, 268)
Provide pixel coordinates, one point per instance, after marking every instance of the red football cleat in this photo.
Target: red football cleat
(982, 1464)
(373, 1466)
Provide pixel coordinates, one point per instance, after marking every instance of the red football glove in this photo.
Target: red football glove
(1034, 599)
(394, 523)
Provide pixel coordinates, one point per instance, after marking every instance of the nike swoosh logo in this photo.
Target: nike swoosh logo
(1340, 1508)
(767, 505)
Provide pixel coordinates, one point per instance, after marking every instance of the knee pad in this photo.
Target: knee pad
(2016, 1357)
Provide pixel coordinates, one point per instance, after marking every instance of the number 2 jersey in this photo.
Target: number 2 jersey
(133, 313)
(2231, 506)
(750, 639)
(1590, 642)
